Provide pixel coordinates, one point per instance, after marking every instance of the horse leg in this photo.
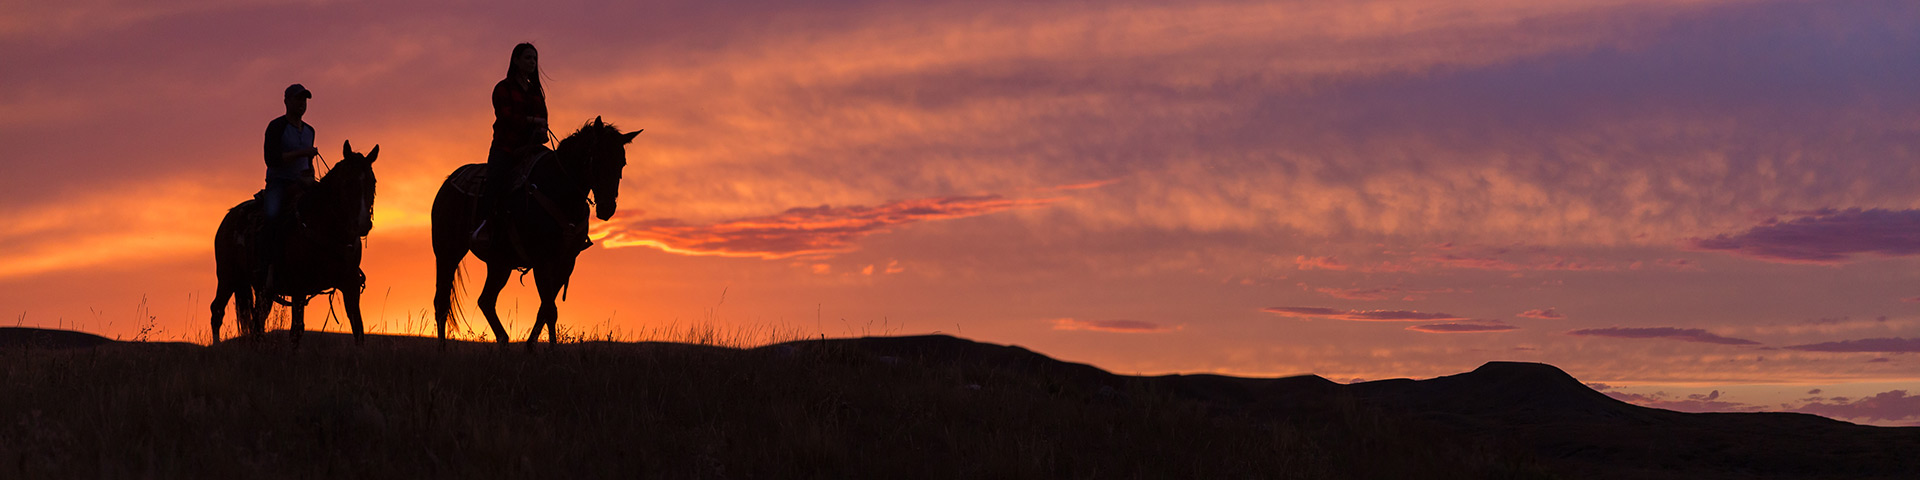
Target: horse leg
(445, 269)
(550, 279)
(350, 300)
(490, 295)
(220, 296)
(259, 306)
(299, 324)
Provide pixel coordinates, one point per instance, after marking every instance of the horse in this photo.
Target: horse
(543, 223)
(324, 229)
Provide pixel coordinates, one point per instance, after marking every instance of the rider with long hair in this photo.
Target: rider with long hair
(519, 123)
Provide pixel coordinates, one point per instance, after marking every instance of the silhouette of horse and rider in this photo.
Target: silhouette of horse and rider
(525, 209)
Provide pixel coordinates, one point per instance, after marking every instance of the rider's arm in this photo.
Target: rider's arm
(504, 109)
(274, 156)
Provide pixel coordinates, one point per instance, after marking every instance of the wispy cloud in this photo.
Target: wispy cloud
(1545, 314)
(1875, 345)
(805, 231)
(1682, 334)
(1464, 327)
(1824, 237)
(1116, 326)
(1361, 315)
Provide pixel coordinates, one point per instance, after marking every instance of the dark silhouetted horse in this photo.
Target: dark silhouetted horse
(320, 250)
(544, 224)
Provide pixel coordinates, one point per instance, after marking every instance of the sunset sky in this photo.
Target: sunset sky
(1703, 205)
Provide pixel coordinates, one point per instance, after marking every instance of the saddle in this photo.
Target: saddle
(254, 211)
(471, 181)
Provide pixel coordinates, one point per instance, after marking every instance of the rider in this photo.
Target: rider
(519, 123)
(289, 155)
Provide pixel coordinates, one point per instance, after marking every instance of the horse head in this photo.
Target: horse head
(354, 180)
(606, 159)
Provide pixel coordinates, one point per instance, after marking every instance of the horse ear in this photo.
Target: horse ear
(596, 121)
(346, 148)
(374, 154)
(628, 138)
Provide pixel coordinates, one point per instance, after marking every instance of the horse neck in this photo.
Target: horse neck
(573, 168)
(333, 202)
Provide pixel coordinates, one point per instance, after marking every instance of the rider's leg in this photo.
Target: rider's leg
(268, 251)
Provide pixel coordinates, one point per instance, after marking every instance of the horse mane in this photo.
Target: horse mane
(589, 131)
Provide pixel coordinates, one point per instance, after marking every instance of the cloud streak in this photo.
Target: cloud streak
(1380, 293)
(1458, 327)
(1694, 335)
(1360, 315)
(805, 231)
(1823, 237)
(1873, 345)
(1115, 326)
(1544, 314)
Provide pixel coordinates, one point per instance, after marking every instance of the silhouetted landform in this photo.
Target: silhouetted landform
(875, 407)
(26, 338)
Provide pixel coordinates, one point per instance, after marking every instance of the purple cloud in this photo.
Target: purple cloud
(1875, 345)
(1361, 315)
(1682, 334)
(1457, 327)
(1824, 237)
(1892, 405)
(1708, 402)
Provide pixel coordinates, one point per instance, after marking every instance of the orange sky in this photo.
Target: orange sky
(1670, 198)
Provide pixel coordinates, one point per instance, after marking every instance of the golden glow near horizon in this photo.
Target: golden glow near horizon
(1667, 197)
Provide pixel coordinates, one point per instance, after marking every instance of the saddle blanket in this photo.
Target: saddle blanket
(471, 179)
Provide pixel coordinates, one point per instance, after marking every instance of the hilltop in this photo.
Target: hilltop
(936, 406)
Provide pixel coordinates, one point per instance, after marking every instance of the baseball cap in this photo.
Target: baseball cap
(296, 90)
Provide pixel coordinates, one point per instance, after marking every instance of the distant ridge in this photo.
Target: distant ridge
(1533, 408)
(24, 337)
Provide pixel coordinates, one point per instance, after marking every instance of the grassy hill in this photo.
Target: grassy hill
(878, 407)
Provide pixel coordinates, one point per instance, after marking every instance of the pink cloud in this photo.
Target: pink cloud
(1116, 326)
(1892, 405)
(1546, 314)
(1468, 262)
(1824, 237)
(1876, 345)
(804, 231)
(1361, 315)
(1463, 327)
(1682, 334)
(1304, 262)
(1492, 262)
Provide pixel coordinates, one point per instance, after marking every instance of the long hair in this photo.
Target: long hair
(536, 69)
